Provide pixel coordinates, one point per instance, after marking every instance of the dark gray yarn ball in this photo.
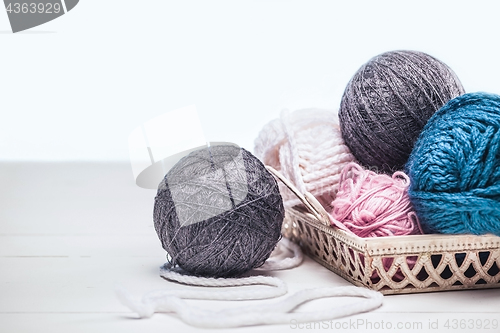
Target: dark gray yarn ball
(218, 212)
(387, 103)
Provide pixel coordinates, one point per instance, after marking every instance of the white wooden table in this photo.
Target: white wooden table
(69, 232)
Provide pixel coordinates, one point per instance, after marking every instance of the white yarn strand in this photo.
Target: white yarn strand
(291, 154)
(262, 314)
(277, 262)
(166, 299)
(173, 300)
(278, 287)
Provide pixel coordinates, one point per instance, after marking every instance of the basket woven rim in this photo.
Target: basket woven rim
(401, 244)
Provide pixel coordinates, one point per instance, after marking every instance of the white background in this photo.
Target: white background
(74, 88)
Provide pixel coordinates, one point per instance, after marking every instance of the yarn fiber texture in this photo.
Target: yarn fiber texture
(374, 205)
(387, 103)
(218, 212)
(307, 148)
(455, 167)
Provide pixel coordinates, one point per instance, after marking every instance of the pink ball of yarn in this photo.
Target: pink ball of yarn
(306, 146)
(374, 205)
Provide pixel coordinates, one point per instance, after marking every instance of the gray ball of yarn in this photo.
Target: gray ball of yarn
(218, 212)
(388, 102)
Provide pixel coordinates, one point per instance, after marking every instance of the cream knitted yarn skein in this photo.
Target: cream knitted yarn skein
(306, 146)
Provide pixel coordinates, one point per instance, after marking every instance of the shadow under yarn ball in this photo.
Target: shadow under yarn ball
(454, 168)
(387, 103)
(218, 212)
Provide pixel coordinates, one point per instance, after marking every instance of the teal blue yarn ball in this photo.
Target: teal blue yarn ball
(454, 167)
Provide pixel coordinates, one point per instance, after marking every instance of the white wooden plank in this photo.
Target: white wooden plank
(63, 248)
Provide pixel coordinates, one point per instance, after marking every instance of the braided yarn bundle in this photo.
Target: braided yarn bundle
(387, 103)
(374, 205)
(455, 167)
(307, 148)
(218, 212)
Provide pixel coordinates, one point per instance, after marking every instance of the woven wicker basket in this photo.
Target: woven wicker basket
(394, 265)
